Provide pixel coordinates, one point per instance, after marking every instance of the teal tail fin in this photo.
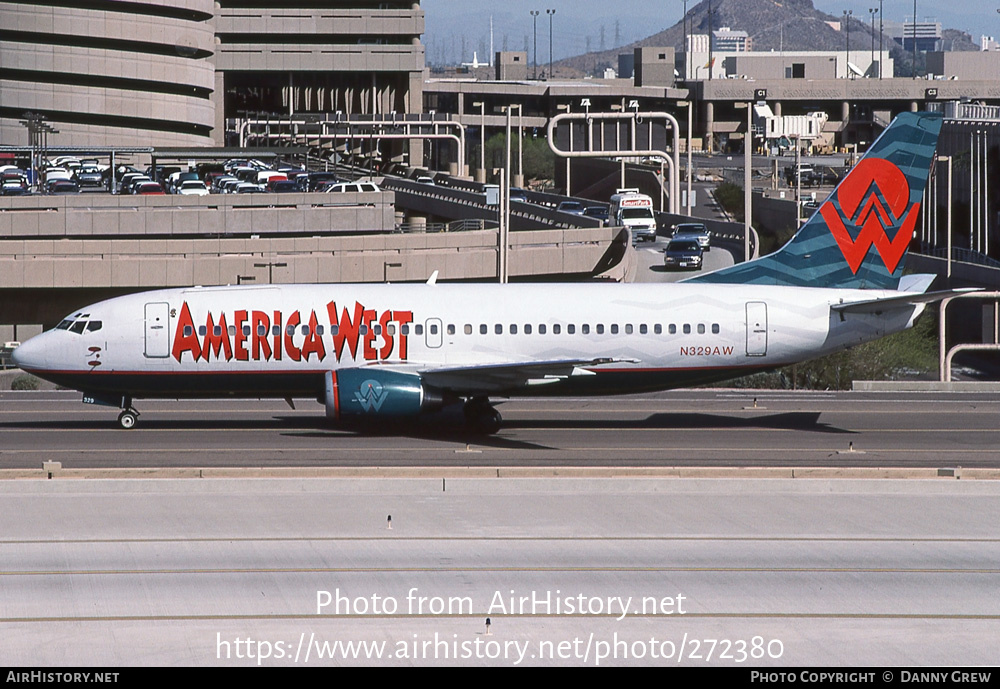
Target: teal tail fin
(859, 236)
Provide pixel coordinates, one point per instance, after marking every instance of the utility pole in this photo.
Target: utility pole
(534, 21)
(880, 16)
(710, 36)
(873, 11)
(847, 23)
(550, 13)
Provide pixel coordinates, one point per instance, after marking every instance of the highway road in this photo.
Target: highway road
(684, 428)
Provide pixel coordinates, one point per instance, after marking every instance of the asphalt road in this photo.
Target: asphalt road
(101, 574)
(683, 428)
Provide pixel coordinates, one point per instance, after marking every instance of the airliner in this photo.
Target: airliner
(389, 351)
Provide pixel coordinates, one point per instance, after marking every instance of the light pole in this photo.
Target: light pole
(534, 21)
(873, 11)
(847, 23)
(710, 37)
(550, 13)
(747, 171)
(914, 38)
(687, 47)
(880, 15)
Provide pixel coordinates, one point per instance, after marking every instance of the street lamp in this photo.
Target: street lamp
(550, 13)
(534, 21)
(687, 46)
(873, 11)
(847, 23)
(914, 37)
(747, 164)
(880, 16)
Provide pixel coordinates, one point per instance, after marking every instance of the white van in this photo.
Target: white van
(633, 210)
(352, 186)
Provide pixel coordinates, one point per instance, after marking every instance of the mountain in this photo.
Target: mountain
(773, 25)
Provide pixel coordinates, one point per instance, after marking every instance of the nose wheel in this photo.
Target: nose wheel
(128, 418)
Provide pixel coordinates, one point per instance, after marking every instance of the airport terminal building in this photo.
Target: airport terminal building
(158, 73)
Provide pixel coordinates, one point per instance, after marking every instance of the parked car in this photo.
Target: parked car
(148, 188)
(193, 187)
(282, 186)
(518, 194)
(89, 176)
(352, 187)
(574, 207)
(683, 253)
(599, 212)
(696, 231)
(61, 186)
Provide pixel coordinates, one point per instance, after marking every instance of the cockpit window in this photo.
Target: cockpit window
(78, 324)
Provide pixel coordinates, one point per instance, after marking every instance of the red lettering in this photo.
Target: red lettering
(216, 343)
(260, 324)
(277, 335)
(347, 328)
(403, 318)
(239, 347)
(290, 348)
(386, 351)
(185, 338)
(369, 334)
(314, 342)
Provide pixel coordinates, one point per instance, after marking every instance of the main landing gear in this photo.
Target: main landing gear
(481, 417)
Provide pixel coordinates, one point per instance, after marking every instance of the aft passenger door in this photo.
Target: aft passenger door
(756, 328)
(157, 333)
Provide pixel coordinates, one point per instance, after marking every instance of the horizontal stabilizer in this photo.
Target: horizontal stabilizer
(899, 301)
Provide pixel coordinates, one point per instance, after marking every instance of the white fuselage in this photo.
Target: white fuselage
(279, 340)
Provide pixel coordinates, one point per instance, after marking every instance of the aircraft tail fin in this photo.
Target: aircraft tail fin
(859, 236)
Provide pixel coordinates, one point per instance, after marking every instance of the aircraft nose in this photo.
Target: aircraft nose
(31, 355)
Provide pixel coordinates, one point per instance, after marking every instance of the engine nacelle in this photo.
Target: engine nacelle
(363, 392)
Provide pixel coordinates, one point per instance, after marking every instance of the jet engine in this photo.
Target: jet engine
(369, 392)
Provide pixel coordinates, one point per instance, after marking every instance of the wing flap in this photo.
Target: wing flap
(492, 378)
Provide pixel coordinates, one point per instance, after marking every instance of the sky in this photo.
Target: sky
(576, 21)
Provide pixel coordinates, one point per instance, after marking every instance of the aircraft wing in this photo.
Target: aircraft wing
(482, 379)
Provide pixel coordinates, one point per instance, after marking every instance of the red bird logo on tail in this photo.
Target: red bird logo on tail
(873, 199)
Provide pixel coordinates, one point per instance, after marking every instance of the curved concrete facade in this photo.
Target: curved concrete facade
(141, 75)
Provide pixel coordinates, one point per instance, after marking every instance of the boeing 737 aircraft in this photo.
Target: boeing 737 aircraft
(401, 350)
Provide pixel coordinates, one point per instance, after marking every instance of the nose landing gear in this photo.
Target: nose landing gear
(128, 418)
